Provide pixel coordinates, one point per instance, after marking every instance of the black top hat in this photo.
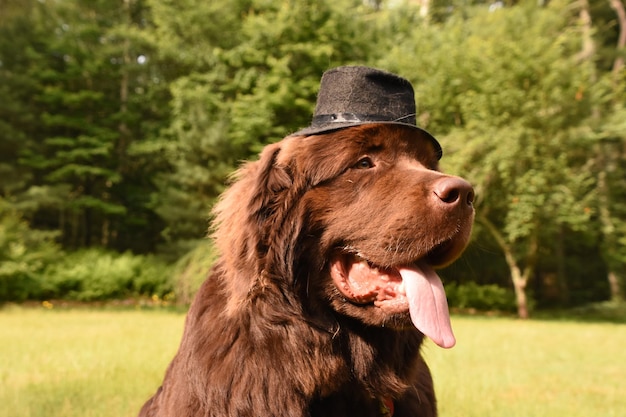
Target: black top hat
(353, 95)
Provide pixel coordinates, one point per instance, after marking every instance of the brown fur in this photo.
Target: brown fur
(268, 333)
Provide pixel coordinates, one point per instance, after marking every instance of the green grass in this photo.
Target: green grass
(90, 363)
(512, 368)
(81, 362)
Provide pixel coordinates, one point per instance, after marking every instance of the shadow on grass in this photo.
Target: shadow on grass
(601, 312)
(143, 304)
(607, 311)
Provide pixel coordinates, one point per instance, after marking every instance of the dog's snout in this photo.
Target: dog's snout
(454, 190)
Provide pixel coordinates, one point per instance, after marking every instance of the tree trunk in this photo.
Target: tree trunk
(561, 276)
(607, 225)
(519, 285)
(616, 291)
(519, 278)
(588, 50)
(587, 53)
(618, 64)
(424, 8)
(124, 131)
(588, 47)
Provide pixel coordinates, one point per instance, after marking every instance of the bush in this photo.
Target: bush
(93, 274)
(480, 297)
(24, 253)
(192, 269)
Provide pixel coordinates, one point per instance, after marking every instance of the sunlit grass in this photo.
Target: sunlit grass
(510, 368)
(97, 363)
(81, 362)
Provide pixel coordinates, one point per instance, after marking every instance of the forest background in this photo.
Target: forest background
(121, 120)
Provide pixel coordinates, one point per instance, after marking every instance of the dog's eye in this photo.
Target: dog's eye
(364, 163)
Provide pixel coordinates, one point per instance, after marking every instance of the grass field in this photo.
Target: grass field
(96, 363)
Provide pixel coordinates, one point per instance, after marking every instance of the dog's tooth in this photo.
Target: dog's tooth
(401, 288)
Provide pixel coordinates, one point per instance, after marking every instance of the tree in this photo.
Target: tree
(504, 87)
(610, 148)
(92, 95)
(23, 44)
(24, 253)
(245, 89)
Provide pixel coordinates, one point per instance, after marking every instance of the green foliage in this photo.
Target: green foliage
(90, 275)
(121, 121)
(24, 254)
(32, 266)
(517, 105)
(511, 104)
(611, 192)
(192, 269)
(244, 90)
(87, 90)
(480, 297)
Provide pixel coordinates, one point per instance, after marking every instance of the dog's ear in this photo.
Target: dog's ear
(243, 209)
(251, 226)
(258, 220)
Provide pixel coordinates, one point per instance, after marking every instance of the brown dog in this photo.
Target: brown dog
(325, 286)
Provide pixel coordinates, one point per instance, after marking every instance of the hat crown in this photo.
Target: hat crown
(364, 94)
(354, 95)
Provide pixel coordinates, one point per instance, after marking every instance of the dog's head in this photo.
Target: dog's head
(355, 220)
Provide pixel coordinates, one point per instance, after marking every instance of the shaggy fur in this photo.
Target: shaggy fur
(270, 333)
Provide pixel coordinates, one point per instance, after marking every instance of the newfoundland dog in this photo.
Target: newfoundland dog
(325, 287)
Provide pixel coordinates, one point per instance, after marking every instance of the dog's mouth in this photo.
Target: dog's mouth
(414, 287)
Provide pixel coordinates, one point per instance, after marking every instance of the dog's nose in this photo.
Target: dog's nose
(454, 190)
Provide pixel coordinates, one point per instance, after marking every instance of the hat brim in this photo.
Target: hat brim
(310, 131)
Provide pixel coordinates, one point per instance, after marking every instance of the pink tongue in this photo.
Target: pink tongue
(427, 304)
